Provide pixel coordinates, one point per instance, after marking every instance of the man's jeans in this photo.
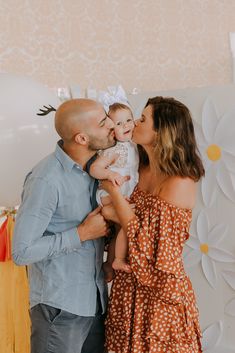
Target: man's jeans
(58, 331)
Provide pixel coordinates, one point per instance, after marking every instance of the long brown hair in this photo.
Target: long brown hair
(176, 148)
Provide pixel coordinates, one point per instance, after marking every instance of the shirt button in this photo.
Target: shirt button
(84, 174)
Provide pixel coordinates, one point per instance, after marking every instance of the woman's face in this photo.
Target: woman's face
(144, 133)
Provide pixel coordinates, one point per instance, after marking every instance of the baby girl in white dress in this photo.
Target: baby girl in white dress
(114, 164)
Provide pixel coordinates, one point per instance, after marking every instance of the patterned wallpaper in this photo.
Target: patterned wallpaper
(148, 44)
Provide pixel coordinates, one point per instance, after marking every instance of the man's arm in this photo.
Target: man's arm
(38, 206)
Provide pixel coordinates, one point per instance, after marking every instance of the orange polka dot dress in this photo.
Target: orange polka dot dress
(153, 309)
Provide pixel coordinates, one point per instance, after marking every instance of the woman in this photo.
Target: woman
(153, 309)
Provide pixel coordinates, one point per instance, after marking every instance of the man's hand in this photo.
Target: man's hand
(93, 227)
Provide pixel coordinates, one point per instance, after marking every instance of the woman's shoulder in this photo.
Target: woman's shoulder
(179, 191)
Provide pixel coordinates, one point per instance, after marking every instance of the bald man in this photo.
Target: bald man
(59, 234)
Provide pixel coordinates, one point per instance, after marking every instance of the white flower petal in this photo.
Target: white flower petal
(193, 242)
(192, 258)
(209, 270)
(220, 255)
(217, 234)
(232, 175)
(209, 120)
(200, 137)
(225, 182)
(212, 335)
(230, 307)
(207, 163)
(219, 349)
(222, 349)
(229, 277)
(225, 132)
(202, 227)
(209, 187)
(229, 161)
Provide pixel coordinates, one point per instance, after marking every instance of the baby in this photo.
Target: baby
(114, 164)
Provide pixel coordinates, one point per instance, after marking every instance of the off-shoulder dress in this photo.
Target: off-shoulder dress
(153, 309)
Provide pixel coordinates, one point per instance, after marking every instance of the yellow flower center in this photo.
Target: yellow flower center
(204, 248)
(214, 152)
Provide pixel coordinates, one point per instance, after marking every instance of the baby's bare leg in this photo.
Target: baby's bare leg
(105, 200)
(121, 249)
(107, 265)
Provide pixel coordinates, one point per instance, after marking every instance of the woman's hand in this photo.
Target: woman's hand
(122, 207)
(109, 187)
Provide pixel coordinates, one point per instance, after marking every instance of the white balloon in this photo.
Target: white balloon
(25, 137)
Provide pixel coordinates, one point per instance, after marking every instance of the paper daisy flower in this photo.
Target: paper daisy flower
(211, 336)
(205, 248)
(229, 277)
(215, 140)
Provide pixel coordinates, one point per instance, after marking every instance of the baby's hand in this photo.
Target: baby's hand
(116, 178)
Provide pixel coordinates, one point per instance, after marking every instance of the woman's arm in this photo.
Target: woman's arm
(122, 207)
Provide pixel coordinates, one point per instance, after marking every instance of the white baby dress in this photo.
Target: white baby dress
(126, 164)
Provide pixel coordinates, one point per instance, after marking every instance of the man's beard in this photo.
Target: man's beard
(96, 144)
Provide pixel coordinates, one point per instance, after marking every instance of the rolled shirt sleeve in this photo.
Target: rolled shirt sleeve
(31, 241)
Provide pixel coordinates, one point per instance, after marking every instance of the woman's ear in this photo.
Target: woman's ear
(155, 139)
(81, 139)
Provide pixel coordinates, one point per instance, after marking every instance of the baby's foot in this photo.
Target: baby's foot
(121, 265)
(108, 272)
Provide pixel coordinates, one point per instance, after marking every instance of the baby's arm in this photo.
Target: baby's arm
(100, 169)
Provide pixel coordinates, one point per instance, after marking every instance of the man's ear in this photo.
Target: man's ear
(81, 139)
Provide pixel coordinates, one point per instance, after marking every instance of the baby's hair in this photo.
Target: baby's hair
(118, 106)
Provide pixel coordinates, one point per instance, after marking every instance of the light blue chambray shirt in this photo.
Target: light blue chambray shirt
(63, 272)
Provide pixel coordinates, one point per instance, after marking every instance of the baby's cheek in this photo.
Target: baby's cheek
(118, 131)
(132, 125)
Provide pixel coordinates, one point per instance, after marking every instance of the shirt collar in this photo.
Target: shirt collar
(67, 162)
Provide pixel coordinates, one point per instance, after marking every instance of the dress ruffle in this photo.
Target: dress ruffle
(153, 309)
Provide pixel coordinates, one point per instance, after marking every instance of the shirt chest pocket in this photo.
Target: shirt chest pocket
(73, 207)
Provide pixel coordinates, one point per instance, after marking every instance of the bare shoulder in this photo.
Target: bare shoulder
(179, 191)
